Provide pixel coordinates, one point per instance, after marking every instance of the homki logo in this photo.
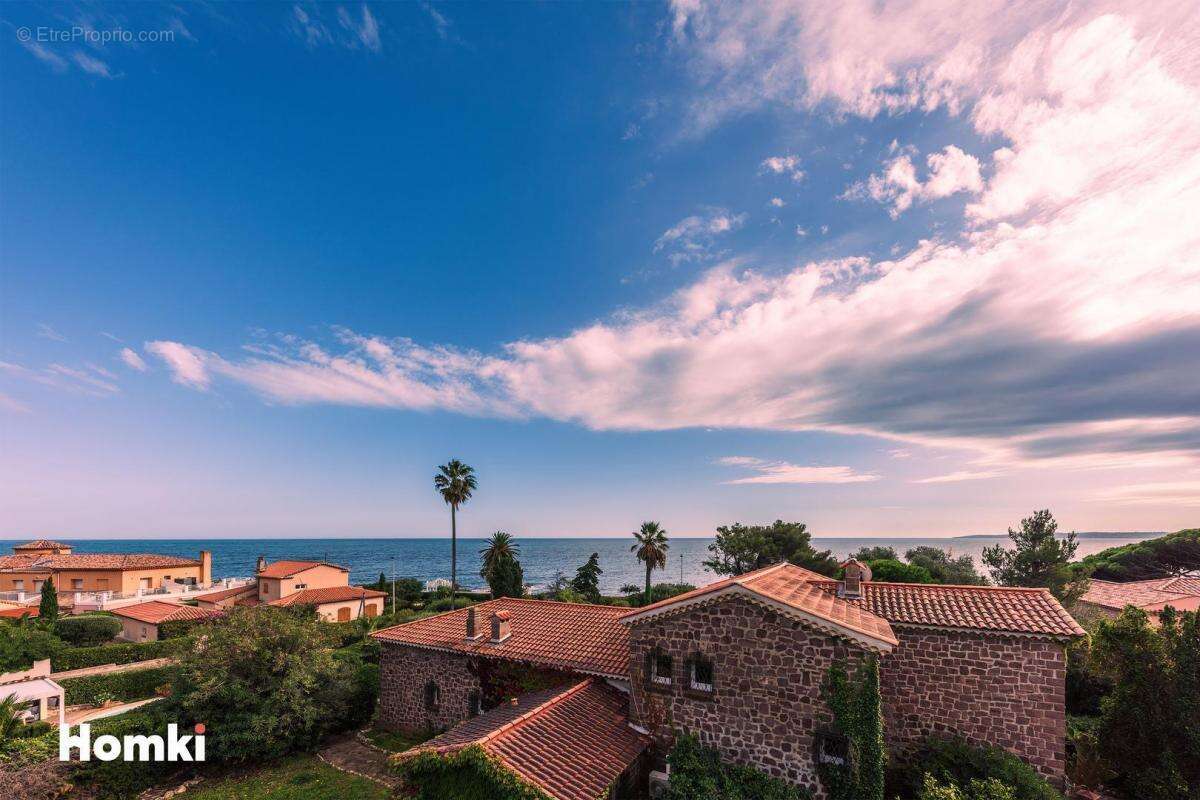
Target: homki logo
(131, 748)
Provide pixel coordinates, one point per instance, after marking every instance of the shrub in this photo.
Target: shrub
(469, 774)
(79, 657)
(173, 629)
(990, 789)
(87, 630)
(132, 685)
(24, 643)
(895, 571)
(658, 592)
(957, 762)
(118, 780)
(446, 603)
(697, 773)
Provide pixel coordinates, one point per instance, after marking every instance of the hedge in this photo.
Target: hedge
(698, 773)
(87, 630)
(136, 684)
(120, 780)
(79, 657)
(952, 760)
(469, 774)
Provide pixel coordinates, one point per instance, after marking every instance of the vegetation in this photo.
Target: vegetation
(895, 571)
(24, 643)
(87, 630)
(1167, 556)
(651, 549)
(120, 780)
(698, 773)
(857, 715)
(875, 553)
(1040, 558)
(469, 774)
(741, 548)
(397, 741)
(296, 778)
(944, 568)
(500, 567)
(586, 582)
(499, 546)
(48, 607)
(957, 763)
(9, 724)
(126, 653)
(658, 592)
(1148, 732)
(990, 789)
(136, 684)
(455, 482)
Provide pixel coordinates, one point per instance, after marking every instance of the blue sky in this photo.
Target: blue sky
(697, 263)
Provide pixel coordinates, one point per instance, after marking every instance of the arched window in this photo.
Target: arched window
(660, 668)
(474, 704)
(433, 696)
(700, 673)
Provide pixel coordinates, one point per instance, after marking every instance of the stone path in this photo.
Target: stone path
(350, 754)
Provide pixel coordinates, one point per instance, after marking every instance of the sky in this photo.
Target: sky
(885, 268)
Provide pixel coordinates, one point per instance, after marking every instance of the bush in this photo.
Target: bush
(80, 657)
(697, 773)
(658, 592)
(133, 685)
(446, 603)
(895, 571)
(990, 789)
(25, 643)
(174, 629)
(119, 780)
(469, 774)
(87, 630)
(957, 763)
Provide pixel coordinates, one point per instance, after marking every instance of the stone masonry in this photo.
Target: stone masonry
(404, 674)
(766, 706)
(1005, 691)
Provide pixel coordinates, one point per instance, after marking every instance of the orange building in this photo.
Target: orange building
(32, 563)
(325, 587)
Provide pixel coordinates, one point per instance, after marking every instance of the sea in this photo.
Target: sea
(541, 558)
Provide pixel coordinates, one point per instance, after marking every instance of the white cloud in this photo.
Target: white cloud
(13, 405)
(962, 475)
(783, 165)
(778, 202)
(783, 472)
(49, 332)
(441, 22)
(692, 238)
(89, 380)
(365, 29)
(92, 66)
(801, 231)
(950, 171)
(46, 56)
(133, 360)
(188, 365)
(632, 131)
(352, 31)
(1179, 493)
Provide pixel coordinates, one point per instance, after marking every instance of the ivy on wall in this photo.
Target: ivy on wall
(858, 717)
(469, 774)
(503, 680)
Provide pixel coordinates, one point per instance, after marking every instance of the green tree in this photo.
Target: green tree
(507, 579)
(875, 553)
(500, 545)
(945, 568)
(23, 644)
(741, 548)
(587, 579)
(265, 682)
(10, 725)
(1149, 729)
(408, 590)
(455, 482)
(651, 549)
(1165, 557)
(1040, 558)
(48, 608)
(894, 571)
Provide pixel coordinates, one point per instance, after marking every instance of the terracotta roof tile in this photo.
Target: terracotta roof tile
(286, 569)
(117, 561)
(41, 544)
(794, 588)
(1152, 595)
(333, 594)
(571, 742)
(574, 636)
(18, 612)
(213, 597)
(156, 612)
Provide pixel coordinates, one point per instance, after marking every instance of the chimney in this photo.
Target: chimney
(501, 626)
(261, 565)
(855, 574)
(473, 632)
(205, 567)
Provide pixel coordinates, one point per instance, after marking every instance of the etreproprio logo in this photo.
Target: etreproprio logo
(131, 748)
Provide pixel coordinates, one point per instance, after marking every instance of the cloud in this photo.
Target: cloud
(783, 165)
(365, 29)
(89, 380)
(46, 56)
(962, 475)
(133, 360)
(783, 472)
(13, 405)
(692, 238)
(92, 66)
(441, 23)
(48, 332)
(1180, 493)
(949, 172)
(352, 32)
(188, 365)
(777, 202)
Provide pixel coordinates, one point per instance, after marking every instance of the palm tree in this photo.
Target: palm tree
(501, 545)
(651, 547)
(455, 482)
(9, 722)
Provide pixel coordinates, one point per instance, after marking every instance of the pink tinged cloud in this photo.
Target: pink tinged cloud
(133, 360)
(783, 472)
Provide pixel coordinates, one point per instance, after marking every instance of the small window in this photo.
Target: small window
(19, 585)
(661, 668)
(433, 696)
(833, 748)
(474, 704)
(76, 583)
(701, 674)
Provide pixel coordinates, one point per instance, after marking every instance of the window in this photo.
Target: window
(832, 748)
(474, 704)
(661, 668)
(18, 584)
(76, 583)
(372, 610)
(700, 674)
(343, 614)
(433, 696)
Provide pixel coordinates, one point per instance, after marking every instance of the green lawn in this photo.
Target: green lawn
(396, 741)
(300, 778)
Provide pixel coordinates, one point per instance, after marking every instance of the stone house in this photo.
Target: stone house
(325, 587)
(740, 664)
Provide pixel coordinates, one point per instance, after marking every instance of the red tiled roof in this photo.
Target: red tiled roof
(572, 742)
(41, 544)
(213, 597)
(333, 594)
(574, 636)
(286, 569)
(794, 590)
(117, 561)
(21, 562)
(988, 608)
(1152, 595)
(156, 611)
(18, 612)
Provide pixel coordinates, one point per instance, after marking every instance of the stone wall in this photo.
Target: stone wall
(766, 705)
(404, 674)
(1004, 691)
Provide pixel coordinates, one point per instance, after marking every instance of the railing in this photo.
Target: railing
(102, 600)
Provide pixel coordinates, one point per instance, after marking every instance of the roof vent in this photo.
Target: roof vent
(501, 626)
(473, 632)
(855, 574)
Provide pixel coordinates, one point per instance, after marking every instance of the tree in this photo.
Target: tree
(382, 583)
(10, 724)
(455, 482)
(1165, 557)
(21, 645)
(48, 608)
(499, 546)
(408, 590)
(741, 548)
(651, 549)
(1149, 729)
(876, 553)
(1040, 559)
(265, 682)
(894, 571)
(587, 579)
(507, 579)
(945, 568)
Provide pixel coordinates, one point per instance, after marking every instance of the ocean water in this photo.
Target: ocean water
(541, 558)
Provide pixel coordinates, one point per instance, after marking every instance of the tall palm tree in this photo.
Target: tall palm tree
(455, 482)
(9, 723)
(651, 547)
(501, 545)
